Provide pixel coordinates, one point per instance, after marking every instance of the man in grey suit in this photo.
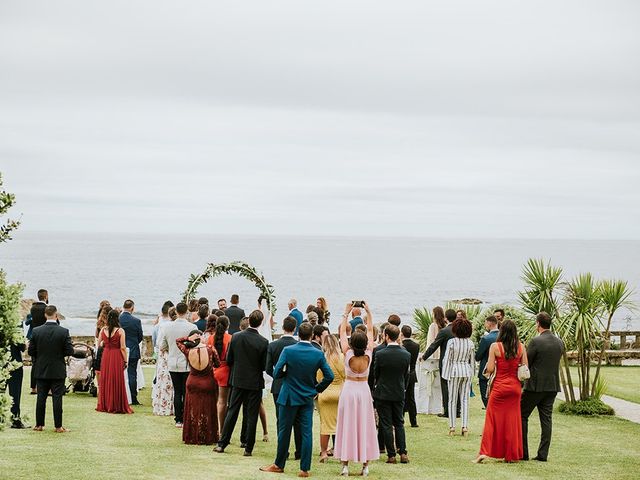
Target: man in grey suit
(544, 353)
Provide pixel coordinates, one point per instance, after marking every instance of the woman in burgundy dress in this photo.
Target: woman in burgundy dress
(112, 392)
(219, 342)
(200, 423)
(502, 435)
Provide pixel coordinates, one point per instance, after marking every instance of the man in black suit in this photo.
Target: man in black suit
(50, 345)
(14, 384)
(132, 327)
(274, 350)
(37, 320)
(235, 314)
(410, 394)
(540, 390)
(391, 373)
(319, 332)
(247, 358)
(444, 335)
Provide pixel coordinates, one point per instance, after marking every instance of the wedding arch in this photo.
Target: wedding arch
(238, 268)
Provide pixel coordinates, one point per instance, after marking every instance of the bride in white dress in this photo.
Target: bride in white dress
(429, 394)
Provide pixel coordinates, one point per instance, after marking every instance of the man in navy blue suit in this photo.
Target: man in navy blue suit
(295, 313)
(298, 366)
(132, 327)
(482, 355)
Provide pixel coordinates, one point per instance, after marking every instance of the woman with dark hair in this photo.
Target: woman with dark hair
(112, 392)
(200, 419)
(322, 305)
(356, 437)
(502, 434)
(219, 341)
(210, 328)
(458, 368)
(192, 316)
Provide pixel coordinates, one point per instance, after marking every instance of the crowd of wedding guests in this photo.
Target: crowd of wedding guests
(211, 363)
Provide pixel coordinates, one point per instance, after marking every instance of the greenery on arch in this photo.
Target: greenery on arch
(242, 269)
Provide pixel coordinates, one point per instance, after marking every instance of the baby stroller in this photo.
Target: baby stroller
(80, 369)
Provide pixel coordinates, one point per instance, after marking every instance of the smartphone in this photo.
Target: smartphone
(358, 303)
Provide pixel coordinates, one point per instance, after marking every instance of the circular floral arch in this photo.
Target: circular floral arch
(239, 268)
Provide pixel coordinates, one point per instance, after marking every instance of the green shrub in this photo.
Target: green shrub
(526, 326)
(589, 407)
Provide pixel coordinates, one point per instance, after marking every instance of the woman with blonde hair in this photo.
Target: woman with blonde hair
(328, 400)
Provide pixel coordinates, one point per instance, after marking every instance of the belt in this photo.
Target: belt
(357, 379)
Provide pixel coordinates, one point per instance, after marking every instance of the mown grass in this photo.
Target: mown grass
(622, 382)
(103, 446)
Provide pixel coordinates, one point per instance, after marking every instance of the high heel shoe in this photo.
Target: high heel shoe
(345, 471)
(324, 458)
(365, 471)
(452, 431)
(265, 437)
(465, 432)
(480, 459)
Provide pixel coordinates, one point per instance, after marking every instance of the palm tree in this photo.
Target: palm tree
(614, 294)
(541, 294)
(423, 319)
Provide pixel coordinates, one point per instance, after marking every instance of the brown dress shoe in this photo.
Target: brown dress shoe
(391, 460)
(273, 468)
(62, 430)
(304, 474)
(404, 458)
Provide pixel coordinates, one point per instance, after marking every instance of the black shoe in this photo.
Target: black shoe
(219, 449)
(443, 415)
(243, 445)
(18, 424)
(297, 457)
(539, 459)
(136, 403)
(247, 453)
(415, 425)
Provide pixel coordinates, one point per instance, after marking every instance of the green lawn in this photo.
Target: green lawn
(107, 446)
(622, 382)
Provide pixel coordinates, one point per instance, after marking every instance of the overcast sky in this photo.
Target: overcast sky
(436, 118)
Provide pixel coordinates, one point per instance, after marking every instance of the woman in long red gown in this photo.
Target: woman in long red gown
(502, 435)
(112, 392)
(200, 422)
(219, 342)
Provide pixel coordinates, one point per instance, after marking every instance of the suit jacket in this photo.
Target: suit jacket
(414, 349)
(391, 371)
(299, 386)
(482, 354)
(297, 314)
(49, 345)
(273, 355)
(132, 327)
(168, 334)
(37, 315)
(316, 345)
(544, 353)
(444, 335)
(371, 380)
(235, 314)
(247, 357)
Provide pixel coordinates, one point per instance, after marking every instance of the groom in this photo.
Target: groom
(298, 366)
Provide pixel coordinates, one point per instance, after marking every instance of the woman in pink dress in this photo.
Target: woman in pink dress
(356, 436)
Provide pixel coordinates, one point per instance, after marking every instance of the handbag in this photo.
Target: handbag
(490, 377)
(523, 370)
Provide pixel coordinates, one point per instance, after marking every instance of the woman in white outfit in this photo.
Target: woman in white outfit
(429, 397)
(458, 368)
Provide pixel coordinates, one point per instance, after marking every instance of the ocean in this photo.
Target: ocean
(395, 275)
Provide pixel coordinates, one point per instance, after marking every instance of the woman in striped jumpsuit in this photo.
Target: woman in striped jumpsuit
(458, 369)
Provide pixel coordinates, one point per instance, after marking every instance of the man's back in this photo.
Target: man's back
(235, 315)
(50, 343)
(132, 327)
(391, 373)
(544, 353)
(482, 355)
(247, 357)
(169, 333)
(273, 355)
(299, 385)
(414, 349)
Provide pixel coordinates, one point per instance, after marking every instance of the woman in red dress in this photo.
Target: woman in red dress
(220, 343)
(200, 423)
(112, 392)
(502, 435)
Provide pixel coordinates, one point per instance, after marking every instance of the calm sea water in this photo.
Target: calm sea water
(394, 275)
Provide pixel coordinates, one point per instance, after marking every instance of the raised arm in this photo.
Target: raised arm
(369, 324)
(342, 329)
(181, 346)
